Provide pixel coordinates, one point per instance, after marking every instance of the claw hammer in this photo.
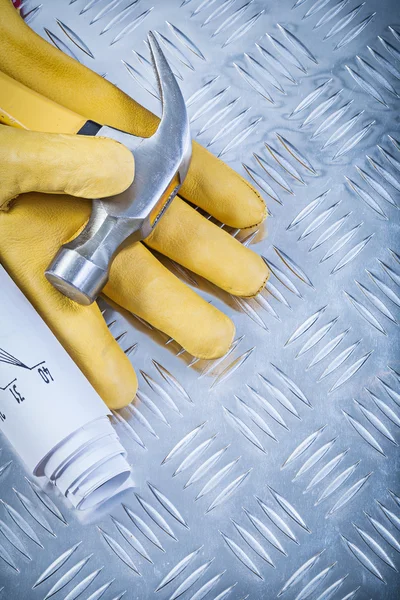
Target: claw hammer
(81, 267)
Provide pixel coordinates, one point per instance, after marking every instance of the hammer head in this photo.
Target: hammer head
(80, 268)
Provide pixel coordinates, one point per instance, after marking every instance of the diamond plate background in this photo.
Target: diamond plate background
(271, 472)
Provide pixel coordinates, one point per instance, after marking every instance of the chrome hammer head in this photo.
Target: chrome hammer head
(81, 267)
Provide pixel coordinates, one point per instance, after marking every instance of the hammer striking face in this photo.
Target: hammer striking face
(81, 267)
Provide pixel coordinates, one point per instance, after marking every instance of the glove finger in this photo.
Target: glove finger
(188, 238)
(142, 285)
(28, 58)
(30, 233)
(220, 191)
(60, 163)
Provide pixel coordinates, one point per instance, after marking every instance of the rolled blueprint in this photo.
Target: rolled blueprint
(49, 412)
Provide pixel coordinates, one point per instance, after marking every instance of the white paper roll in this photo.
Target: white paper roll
(50, 413)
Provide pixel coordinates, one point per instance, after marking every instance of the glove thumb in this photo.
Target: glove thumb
(88, 167)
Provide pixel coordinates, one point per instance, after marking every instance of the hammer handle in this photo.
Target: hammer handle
(22, 107)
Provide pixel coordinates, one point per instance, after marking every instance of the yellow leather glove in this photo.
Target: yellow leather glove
(36, 225)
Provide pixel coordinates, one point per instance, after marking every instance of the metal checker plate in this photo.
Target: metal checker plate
(273, 472)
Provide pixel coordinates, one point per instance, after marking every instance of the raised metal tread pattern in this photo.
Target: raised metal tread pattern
(271, 472)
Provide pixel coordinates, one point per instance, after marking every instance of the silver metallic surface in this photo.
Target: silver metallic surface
(80, 268)
(274, 472)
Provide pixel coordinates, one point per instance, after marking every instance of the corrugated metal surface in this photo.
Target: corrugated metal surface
(274, 471)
